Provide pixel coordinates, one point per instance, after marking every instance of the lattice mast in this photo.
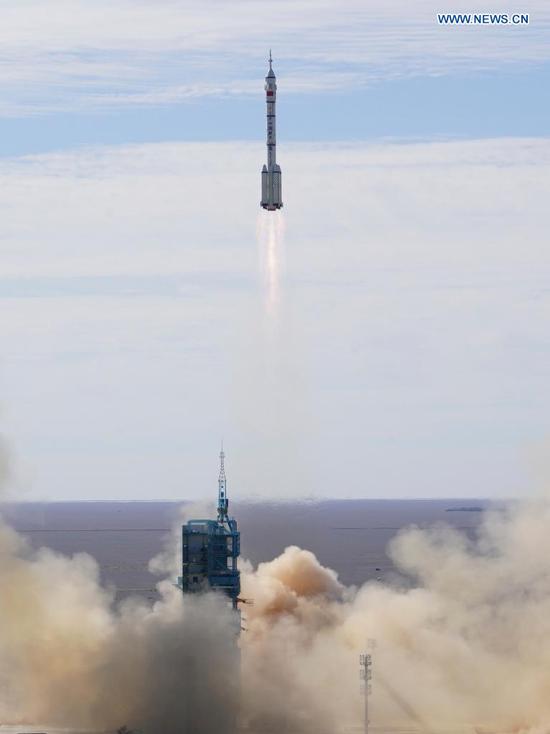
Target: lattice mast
(223, 502)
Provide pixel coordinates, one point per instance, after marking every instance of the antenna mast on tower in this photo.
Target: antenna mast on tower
(223, 502)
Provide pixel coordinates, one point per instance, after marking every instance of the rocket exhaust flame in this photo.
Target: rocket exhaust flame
(270, 231)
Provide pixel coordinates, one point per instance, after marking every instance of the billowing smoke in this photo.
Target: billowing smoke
(69, 657)
(465, 644)
(167, 563)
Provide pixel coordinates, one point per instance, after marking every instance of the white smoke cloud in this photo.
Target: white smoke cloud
(167, 563)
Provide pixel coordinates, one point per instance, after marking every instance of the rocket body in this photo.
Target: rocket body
(271, 173)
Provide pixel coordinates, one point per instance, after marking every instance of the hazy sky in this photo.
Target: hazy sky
(410, 351)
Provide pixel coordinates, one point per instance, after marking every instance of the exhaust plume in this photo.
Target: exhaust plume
(270, 233)
(465, 644)
(69, 657)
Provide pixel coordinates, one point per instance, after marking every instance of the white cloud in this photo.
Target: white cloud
(127, 210)
(412, 337)
(77, 54)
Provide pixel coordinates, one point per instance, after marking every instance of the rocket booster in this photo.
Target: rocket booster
(271, 173)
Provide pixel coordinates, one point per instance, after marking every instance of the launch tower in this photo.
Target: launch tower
(210, 549)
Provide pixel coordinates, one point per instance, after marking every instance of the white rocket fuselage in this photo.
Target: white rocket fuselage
(271, 174)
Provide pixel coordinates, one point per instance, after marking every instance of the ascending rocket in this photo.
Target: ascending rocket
(271, 174)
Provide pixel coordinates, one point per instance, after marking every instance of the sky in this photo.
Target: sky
(407, 354)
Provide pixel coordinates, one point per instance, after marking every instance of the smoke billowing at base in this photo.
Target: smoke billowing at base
(467, 644)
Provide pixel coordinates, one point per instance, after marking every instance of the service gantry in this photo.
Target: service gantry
(211, 548)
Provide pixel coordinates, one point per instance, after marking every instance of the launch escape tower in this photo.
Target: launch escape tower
(210, 549)
(271, 173)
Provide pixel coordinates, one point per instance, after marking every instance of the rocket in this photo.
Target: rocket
(271, 174)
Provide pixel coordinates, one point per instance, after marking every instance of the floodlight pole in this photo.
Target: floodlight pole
(365, 674)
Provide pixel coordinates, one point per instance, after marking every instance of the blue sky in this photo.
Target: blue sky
(82, 73)
(510, 102)
(408, 355)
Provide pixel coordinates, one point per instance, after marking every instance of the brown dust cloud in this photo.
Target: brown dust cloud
(465, 645)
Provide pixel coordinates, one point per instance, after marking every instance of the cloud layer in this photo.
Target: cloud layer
(74, 56)
(412, 331)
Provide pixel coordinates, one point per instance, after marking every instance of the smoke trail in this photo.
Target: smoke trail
(6, 465)
(270, 233)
